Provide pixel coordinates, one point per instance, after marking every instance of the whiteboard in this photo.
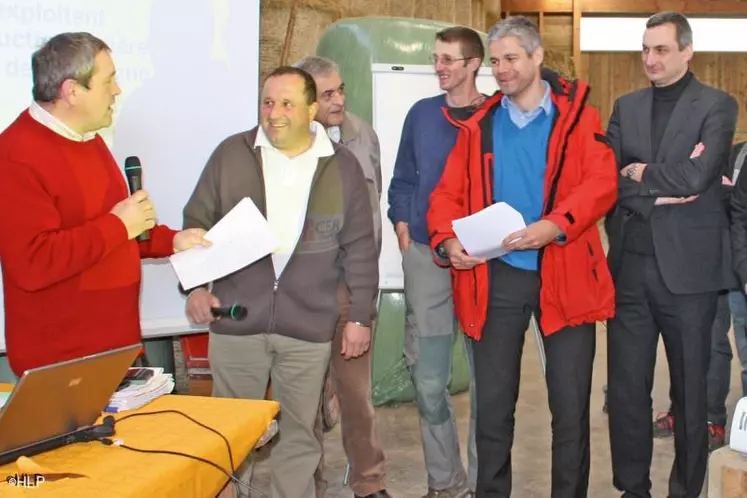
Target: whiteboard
(189, 75)
(395, 90)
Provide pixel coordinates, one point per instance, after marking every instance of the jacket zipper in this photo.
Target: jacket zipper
(486, 125)
(561, 163)
(469, 200)
(263, 210)
(556, 179)
(463, 126)
(541, 251)
(469, 197)
(276, 283)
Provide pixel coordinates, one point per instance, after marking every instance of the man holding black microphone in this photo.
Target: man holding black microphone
(71, 265)
(315, 198)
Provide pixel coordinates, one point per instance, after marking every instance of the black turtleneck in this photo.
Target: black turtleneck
(639, 238)
(665, 98)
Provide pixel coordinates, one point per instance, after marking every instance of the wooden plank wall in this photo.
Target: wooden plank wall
(611, 74)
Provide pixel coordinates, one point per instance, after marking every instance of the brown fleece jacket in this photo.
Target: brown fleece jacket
(337, 245)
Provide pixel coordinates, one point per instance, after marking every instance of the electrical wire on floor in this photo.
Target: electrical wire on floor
(231, 475)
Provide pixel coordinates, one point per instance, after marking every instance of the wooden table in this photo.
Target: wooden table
(114, 471)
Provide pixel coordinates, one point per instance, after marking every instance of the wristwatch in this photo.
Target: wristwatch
(441, 251)
(632, 170)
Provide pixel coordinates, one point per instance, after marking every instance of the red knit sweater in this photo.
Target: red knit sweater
(71, 278)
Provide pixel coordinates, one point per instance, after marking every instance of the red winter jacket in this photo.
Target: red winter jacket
(580, 188)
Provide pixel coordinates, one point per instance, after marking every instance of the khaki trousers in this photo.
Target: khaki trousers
(241, 368)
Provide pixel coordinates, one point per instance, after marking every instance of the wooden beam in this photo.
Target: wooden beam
(527, 6)
(478, 15)
(541, 23)
(577, 37)
(289, 33)
(492, 7)
(703, 7)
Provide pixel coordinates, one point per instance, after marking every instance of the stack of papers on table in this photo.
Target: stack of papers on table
(136, 395)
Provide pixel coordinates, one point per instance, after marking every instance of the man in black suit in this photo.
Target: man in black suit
(669, 254)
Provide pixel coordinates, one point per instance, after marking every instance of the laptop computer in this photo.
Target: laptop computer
(51, 405)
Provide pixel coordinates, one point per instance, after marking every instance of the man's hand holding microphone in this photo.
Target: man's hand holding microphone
(199, 306)
(137, 213)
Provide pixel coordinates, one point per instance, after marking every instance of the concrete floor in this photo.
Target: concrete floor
(399, 433)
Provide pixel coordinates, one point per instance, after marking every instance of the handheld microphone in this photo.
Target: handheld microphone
(134, 173)
(233, 312)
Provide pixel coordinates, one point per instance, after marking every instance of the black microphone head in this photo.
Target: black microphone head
(233, 312)
(238, 312)
(132, 162)
(134, 173)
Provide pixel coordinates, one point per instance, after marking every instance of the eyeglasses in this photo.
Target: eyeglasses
(447, 60)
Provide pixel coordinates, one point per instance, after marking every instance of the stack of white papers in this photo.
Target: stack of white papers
(136, 395)
(240, 238)
(482, 233)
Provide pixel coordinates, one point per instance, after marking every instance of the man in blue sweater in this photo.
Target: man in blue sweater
(427, 139)
(538, 147)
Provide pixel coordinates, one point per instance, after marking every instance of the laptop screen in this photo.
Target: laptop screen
(54, 400)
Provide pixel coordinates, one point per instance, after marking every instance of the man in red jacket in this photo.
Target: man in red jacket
(70, 261)
(538, 147)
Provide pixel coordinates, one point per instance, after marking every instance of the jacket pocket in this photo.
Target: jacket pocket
(307, 305)
(582, 277)
(470, 297)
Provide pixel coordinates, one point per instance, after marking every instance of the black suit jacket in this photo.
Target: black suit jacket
(691, 241)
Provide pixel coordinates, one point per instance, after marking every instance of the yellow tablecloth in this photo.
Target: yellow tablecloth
(116, 472)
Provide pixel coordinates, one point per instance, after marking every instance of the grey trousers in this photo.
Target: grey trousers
(430, 331)
(241, 368)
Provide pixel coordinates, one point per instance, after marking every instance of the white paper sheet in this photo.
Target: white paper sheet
(240, 238)
(482, 233)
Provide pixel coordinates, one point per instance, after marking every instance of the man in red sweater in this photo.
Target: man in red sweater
(70, 261)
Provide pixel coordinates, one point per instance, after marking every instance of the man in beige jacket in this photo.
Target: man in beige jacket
(351, 377)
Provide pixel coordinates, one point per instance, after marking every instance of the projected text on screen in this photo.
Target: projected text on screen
(27, 25)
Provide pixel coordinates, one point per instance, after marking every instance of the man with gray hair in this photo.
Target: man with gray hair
(67, 240)
(350, 376)
(543, 153)
(670, 255)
